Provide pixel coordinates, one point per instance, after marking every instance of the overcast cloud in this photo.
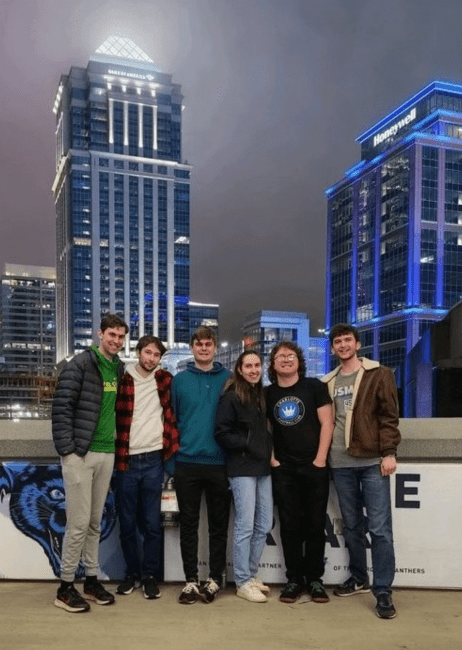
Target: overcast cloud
(276, 91)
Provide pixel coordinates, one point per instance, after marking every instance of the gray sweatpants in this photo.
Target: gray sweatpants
(86, 484)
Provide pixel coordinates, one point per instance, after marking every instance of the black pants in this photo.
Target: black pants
(191, 480)
(301, 494)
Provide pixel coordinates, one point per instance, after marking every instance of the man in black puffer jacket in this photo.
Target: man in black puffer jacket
(83, 425)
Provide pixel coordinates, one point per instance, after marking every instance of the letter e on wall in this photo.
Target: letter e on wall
(403, 490)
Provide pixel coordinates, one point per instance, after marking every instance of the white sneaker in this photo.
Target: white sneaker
(250, 592)
(259, 584)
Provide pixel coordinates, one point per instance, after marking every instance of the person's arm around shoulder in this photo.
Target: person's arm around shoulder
(64, 404)
(388, 415)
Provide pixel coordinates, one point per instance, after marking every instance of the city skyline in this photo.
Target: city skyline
(275, 95)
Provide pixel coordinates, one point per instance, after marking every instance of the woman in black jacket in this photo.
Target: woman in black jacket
(241, 429)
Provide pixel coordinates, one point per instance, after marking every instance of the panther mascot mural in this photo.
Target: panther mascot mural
(37, 507)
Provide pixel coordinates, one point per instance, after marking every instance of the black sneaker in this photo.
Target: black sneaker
(150, 588)
(291, 592)
(209, 591)
(385, 607)
(94, 590)
(351, 587)
(317, 592)
(189, 593)
(70, 600)
(127, 585)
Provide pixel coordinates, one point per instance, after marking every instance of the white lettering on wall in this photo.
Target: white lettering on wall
(393, 130)
(132, 75)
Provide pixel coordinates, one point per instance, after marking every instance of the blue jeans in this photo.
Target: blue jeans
(138, 497)
(253, 520)
(359, 488)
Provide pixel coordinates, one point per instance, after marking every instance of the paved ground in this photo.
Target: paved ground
(427, 620)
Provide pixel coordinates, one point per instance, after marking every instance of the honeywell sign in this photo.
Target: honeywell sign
(393, 130)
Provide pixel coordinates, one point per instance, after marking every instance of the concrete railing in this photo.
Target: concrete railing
(438, 439)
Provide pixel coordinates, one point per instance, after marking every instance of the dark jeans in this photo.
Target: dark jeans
(301, 494)
(359, 488)
(191, 480)
(138, 493)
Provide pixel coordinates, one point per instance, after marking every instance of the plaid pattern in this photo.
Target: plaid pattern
(124, 412)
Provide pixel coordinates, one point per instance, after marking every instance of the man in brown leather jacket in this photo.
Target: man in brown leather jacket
(362, 458)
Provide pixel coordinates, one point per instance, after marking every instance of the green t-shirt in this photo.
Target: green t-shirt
(104, 435)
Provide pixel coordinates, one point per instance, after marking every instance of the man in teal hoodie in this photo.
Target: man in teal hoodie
(200, 465)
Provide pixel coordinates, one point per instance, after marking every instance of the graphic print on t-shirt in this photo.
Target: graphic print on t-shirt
(346, 392)
(289, 410)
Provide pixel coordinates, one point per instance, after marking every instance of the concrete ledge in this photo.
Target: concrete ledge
(422, 439)
(26, 439)
(431, 439)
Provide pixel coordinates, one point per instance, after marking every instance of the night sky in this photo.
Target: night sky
(276, 91)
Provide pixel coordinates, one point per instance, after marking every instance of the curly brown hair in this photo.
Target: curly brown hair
(291, 346)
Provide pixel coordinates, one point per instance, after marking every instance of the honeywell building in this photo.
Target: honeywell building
(394, 244)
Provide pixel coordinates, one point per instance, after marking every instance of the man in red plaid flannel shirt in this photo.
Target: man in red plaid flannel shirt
(146, 435)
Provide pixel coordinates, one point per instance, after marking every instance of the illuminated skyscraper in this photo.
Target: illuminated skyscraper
(203, 315)
(27, 319)
(122, 199)
(394, 249)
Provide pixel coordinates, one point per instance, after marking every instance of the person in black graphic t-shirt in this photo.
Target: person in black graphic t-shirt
(300, 412)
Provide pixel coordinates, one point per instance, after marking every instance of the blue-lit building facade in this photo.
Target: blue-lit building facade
(264, 329)
(394, 245)
(318, 354)
(122, 199)
(203, 314)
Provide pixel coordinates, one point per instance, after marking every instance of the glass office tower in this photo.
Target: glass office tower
(27, 319)
(203, 314)
(394, 244)
(122, 200)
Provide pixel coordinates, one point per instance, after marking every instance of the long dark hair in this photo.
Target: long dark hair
(246, 392)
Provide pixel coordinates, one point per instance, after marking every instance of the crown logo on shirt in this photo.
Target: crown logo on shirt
(288, 411)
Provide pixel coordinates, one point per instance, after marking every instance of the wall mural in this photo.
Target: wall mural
(37, 507)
